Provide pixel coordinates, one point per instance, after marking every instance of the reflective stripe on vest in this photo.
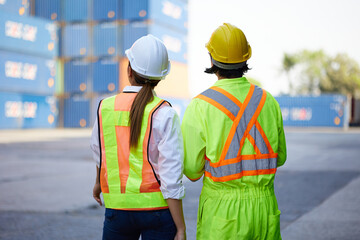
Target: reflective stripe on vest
(127, 178)
(232, 164)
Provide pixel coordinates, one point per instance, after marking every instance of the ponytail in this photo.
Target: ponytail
(144, 96)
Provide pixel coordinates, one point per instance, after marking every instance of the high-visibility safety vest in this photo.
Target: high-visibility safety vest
(127, 179)
(232, 164)
(233, 132)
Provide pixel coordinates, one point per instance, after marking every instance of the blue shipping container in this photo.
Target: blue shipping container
(171, 13)
(106, 76)
(175, 42)
(27, 74)
(75, 41)
(108, 39)
(321, 111)
(77, 112)
(17, 7)
(76, 10)
(28, 35)
(95, 104)
(48, 9)
(107, 10)
(27, 111)
(77, 76)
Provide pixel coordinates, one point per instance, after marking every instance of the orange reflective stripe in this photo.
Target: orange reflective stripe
(258, 126)
(124, 101)
(252, 121)
(241, 174)
(230, 96)
(241, 158)
(123, 154)
(235, 124)
(103, 169)
(149, 183)
(252, 141)
(217, 105)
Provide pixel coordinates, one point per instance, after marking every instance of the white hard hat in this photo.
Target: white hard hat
(149, 58)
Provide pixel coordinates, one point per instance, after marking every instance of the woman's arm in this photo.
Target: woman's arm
(175, 207)
(97, 188)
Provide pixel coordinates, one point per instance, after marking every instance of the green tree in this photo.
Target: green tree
(314, 72)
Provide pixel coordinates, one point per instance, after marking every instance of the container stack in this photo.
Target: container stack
(28, 46)
(94, 36)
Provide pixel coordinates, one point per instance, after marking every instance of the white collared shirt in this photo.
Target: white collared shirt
(166, 150)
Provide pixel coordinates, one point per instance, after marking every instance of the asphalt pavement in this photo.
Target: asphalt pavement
(46, 180)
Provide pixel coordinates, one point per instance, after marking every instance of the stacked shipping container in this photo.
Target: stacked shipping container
(94, 37)
(27, 68)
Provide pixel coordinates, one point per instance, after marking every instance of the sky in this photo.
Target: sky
(272, 28)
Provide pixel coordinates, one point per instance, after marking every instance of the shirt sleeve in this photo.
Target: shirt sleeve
(94, 143)
(282, 142)
(194, 142)
(167, 135)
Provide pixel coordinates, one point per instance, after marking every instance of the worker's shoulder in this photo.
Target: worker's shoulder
(271, 102)
(165, 111)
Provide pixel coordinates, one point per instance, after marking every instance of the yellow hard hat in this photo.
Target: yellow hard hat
(228, 45)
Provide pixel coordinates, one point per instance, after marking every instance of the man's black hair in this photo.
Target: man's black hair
(234, 73)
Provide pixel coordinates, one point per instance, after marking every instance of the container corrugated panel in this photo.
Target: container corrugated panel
(321, 111)
(27, 111)
(106, 75)
(95, 100)
(48, 9)
(75, 40)
(108, 39)
(17, 7)
(77, 76)
(175, 42)
(172, 13)
(77, 112)
(28, 35)
(107, 10)
(26, 73)
(59, 78)
(76, 10)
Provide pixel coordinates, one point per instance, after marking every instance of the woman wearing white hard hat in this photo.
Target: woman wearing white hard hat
(138, 146)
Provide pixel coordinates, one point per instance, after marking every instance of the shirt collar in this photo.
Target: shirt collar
(134, 89)
(230, 81)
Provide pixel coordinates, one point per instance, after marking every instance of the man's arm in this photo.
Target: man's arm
(194, 142)
(282, 142)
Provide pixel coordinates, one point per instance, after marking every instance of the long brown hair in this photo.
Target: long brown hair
(144, 96)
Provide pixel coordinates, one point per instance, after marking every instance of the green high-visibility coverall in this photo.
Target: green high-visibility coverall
(236, 202)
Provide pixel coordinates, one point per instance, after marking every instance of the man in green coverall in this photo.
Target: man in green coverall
(233, 135)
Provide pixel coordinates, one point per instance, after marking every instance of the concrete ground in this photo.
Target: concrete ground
(46, 179)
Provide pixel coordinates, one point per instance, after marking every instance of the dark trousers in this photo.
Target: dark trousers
(129, 225)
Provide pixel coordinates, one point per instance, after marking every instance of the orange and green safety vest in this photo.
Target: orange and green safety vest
(233, 133)
(127, 179)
